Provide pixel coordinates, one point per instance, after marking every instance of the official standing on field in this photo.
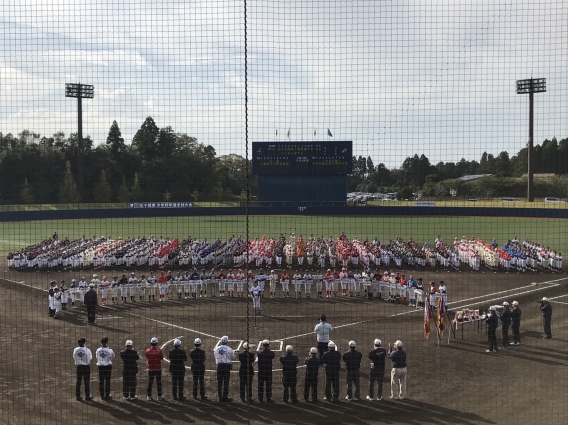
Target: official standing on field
(352, 359)
(90, 301)
(323, 331)
(546, 311)
(82, 357)
(311, 379)
(177, 357)
(332, 362)
(505, 321)
(129, 371)
(198, 369)
(246, 373)
(516, 323)
(223, 357)
(105, 357)
(154, 356)
(264, 358)
(289, 374)
(378, 357)
(492, 322)
(398, 371)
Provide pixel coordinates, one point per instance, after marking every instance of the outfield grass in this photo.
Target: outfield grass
(550, 232)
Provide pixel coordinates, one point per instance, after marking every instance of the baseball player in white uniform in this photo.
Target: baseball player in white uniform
(273, 278)
(255, 293)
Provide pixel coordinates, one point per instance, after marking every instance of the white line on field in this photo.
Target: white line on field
(560, 296)
(558, 302)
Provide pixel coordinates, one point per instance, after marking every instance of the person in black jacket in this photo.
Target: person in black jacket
(377, 373)
(91, 301)
(505, 321)
(546, 311)
(289, 374)
(516, 323)
(332, 361)
(492, 323)
(129, 371)
(264, 358)
(198, 369)
(177, 358)
(398, 370)
(246, 372)
(352, 359)
(311, 379)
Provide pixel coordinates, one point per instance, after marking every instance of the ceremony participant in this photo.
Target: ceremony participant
(240, 277)
(264, 358)
(352, 359)
(123, 283)
(104, 286)
(64, 295)
(516, 323)
(90, 301)
(197, 356)
(105, 357)
(154, 356)
(332, 362)
(162, 285)
(246, 373)
(152, 282)
(546, 311)
(323, 332)
(312, 363)
(255, 293)
(222, 279)
(411, 284)
(132, 281)
(377, 373)
(114, 289)
(82, 357)
(398, 370)
(296, 281)
(231, 284)
(83, 288)
(56, 302)
(289, 374)
(273, 279)
(129, 371)
(73, 291)
(142, 284)
(261, 278)
(186, 285)
(177, 357)
(223, 357)
(195, 282)
(505, 321)
(50, 294)
(343, 276)
(329, 278)
(492, 322)
(285, 281)
(308, 284)
(419, 291)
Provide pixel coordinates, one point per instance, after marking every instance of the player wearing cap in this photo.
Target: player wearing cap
(224, 355)
(56, 302)
(177, 357)
(505, 321)
(273, 279)
(73, 290)
(312, 363)
(285, 281)
(240, 277)
(82, 357)
(398, 370)
(83, 288)
(261, 279)
(255, 293)
(323, 332)
(105, 357)
(51, 292)
(328, 282)
(289, 374)
(231, 284)
(162, 285)
(491, 322)
(352, 359)
(154, 355)
(132, 282)
(195, 282)
(197, 356)
(377, 373)
(419, 291)
(246, 373)
(546, 311)
(91, 301)
(332, 362)
(129, 371)
(152, 282)
(264, 359)
(516, 323)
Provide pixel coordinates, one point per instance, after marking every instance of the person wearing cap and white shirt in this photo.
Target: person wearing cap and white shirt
(352, 359)
(546, 311)
(130, 359)
(273, 278)
(83, 288)
(505, 321)
(255, 293)
(177, 357)
(322, 331)
(105, 357)
(246, 373)
(224, 355)
(261, 279)
(154, 355)
(82, 357)
(90, 301)
(378, 357)
(398, 370)
(264, 358)
(516, 323)
(492, 322)
(289, 374)
(332, 362)
(311, 378)
(197, 356)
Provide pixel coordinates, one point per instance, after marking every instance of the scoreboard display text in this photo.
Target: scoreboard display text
(270, 158)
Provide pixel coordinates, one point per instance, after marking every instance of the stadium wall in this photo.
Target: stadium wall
(325, 210)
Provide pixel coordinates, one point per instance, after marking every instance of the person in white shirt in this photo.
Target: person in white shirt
(255, 293)
(82, 357)
(322, 331)
(224, 355)
(105, 357)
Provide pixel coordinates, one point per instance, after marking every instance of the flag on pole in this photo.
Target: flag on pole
(427, 319)
(442, 316)
(288, 134)
(329, 133)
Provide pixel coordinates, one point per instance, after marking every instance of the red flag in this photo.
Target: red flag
(427, 319)
(442, 316)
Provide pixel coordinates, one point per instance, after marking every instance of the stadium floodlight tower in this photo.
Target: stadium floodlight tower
(531, 86)
(80, 91)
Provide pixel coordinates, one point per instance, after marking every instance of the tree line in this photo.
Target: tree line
(163, 165)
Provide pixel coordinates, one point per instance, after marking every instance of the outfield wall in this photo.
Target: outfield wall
(341, 210)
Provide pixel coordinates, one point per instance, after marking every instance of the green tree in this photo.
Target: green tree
(370, 165)
(68, 193)
(114, 139)
(102, 190)
(136, 193)
(123, 191)
(145, 140)
(26, 193)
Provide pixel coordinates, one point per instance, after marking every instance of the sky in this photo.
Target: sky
(395, 77)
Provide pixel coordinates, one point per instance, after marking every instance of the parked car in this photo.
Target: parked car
(551, 199)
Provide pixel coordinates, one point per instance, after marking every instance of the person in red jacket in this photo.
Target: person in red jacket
(155, 356)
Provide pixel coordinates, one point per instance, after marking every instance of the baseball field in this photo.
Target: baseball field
(452, 381)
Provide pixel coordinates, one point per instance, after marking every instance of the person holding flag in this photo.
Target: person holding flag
(427, 320)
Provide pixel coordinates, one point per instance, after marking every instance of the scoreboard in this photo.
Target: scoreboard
(302, 158)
